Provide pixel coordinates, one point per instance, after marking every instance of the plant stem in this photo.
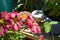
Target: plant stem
(52, 35)
(25, 4)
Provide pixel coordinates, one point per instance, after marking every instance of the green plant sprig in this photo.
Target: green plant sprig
(47, 26)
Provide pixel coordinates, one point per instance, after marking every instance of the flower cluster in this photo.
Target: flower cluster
(9, 21)
(14, 21)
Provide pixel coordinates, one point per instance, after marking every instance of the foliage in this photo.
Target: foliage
(47, 26)
(53, 8)
(10, 35)
(28, 5)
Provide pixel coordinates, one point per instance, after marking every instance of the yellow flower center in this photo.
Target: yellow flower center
(23, 16)
(1, 21)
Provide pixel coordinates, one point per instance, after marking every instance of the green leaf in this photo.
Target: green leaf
(46, 1)
(48, 28)
(53, 22)
(18, 6)
(19, 1)
(45, 24)
(2, 39)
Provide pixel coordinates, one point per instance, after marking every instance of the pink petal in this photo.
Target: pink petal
(2, 31)
(11, 21)
(35, 29)
(13, 15)
(31, 18)
(36, 24)
(41, 37)
(1, 28)
(2, 14)
(7, 16)
(38, 29)
(19, 25)
(29, 24)
(8, 27)
(18, 17)
(15, 28)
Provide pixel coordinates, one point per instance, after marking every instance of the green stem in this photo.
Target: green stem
(25, 4)
(52, 35)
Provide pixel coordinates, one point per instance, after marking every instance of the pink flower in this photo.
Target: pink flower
(3, 31)
(31, 18)
(38, 29)
(11, 21)
(29, 22)
(13, 14)
(36, 24)
(34, 27)
(18, 17)
(19, 25)
(41, 37)
(15, 27)
(8, 27)
(2, 14)
(14, 21)
(7, 16)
